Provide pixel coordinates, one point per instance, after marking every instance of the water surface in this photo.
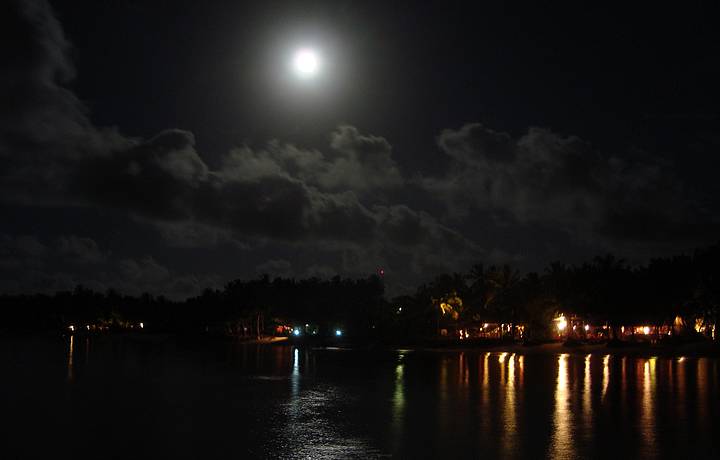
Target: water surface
(118, 398)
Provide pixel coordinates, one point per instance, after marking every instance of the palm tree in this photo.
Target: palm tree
(492, 291)
(446, 293)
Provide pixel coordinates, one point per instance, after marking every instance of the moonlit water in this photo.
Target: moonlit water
(121, 398)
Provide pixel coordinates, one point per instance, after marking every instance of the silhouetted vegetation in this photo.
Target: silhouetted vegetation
(604, 291)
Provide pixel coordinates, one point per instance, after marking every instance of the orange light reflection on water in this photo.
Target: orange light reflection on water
(562, 446)
(606, 375)
(509, 438)
(647, 407)
(587, 400)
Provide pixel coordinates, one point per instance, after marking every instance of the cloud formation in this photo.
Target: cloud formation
(29, 264)
(542, 178)
(281, 191)
(44, 128)
(316, 197)
(346, 207)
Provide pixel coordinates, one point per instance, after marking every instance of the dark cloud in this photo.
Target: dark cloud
(275, 268)
(543, 178)
(191, 234)
(28, 264)
(43, 126)
(38, 54)
(165, 178)
(474, 143)
(82, 250)
(17, 252)
(54, 154)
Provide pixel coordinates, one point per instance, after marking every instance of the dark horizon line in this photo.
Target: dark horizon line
(623, 263)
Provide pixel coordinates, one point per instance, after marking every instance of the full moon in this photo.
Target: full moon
(306, 63)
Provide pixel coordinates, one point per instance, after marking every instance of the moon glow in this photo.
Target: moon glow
(306, 63)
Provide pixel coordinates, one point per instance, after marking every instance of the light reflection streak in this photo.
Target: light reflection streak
(680, 399)
(399, 394)
(71, 349)
(307, 432)
(510, 406)
(398, 403)
(485, 396)
(587, 405)
(463, 371)
(466, 370)
(501, 360)
(295, 406)
(485, 370)
(295, 376)
(485, 413)
(647, 413)
(562, 445)
(606, 375)
(511, 371)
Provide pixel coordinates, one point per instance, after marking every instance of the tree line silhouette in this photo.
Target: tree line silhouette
(605, 290)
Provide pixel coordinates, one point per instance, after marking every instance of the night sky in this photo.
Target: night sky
(168, 146)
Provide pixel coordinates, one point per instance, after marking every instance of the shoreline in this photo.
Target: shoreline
(693, 349)
(690, 349)
(708, 349)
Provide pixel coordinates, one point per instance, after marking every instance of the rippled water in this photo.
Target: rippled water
(112, 397)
